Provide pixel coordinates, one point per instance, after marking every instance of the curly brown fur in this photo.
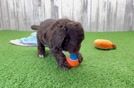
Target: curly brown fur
(59, 35)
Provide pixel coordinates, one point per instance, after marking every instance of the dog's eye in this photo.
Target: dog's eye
(61, 26)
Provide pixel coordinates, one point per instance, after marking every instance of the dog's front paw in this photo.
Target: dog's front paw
(65, 66)
(80, 58)
(41, 56)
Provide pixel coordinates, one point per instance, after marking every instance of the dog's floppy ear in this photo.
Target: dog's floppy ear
(58, 35)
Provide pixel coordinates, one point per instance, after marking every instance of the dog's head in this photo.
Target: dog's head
(74, 36)
(68, 35)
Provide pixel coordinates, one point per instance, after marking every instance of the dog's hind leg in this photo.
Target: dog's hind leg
(41, 49)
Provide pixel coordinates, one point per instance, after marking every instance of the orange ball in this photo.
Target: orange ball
(72, 63)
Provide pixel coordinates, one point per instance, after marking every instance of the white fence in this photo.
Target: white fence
(95, 15)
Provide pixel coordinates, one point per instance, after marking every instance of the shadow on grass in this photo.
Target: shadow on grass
(105, 49)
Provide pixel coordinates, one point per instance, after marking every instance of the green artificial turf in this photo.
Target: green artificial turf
(21, 68)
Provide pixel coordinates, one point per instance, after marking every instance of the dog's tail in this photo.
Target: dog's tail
(35, 27)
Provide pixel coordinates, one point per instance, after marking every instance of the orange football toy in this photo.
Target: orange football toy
(104, 44)
(72, 63)
(72, 60)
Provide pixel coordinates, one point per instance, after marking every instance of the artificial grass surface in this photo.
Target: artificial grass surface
(21, 68)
